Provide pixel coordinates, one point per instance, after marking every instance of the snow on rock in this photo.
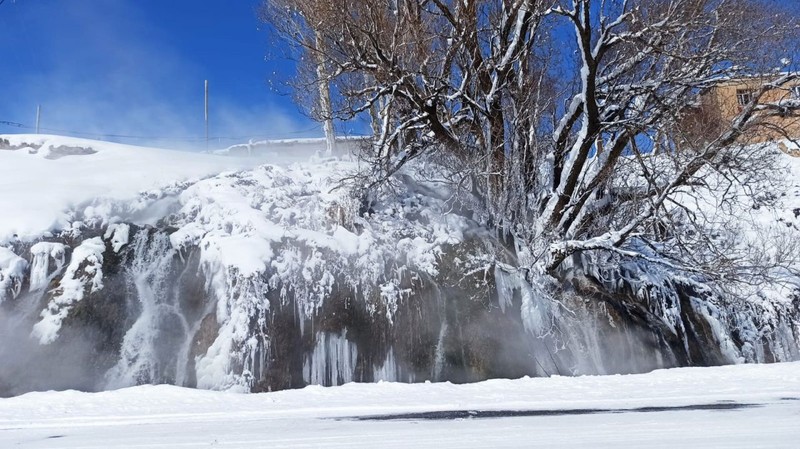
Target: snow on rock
(83, 275)
(43, 253)
(291, 231)
(12, 274)
(219, 275)
(750, 314)
(119, 234)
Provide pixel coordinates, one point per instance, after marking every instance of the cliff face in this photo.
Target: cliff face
(276, 278)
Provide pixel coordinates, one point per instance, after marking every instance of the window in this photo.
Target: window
(744, 96)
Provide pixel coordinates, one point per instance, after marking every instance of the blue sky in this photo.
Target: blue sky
(126, 67)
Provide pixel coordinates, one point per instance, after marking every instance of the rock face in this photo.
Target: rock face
(273, 278)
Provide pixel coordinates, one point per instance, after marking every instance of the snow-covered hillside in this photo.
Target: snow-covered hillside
(743, 406)
(273, 277)
(43, 178)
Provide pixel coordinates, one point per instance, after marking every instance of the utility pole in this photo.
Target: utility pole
(38, 116)
(206, 113)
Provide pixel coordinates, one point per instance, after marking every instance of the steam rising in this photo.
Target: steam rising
(25, 365)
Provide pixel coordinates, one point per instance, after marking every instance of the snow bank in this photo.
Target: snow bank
(38, 189)
(733, 406)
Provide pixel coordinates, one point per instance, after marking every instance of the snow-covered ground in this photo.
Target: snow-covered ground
(48, 175)
(733, 406)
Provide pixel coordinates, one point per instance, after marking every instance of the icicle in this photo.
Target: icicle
(42, 252)
(332, 362)
(388, 370)
(505, 288)
(438, 360)
(12, 272)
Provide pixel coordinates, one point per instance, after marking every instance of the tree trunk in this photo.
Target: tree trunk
(325, 107)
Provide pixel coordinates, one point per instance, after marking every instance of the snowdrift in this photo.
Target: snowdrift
(740, 406)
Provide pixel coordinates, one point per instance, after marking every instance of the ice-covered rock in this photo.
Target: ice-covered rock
(279, 276)
(48, 261)
(83, 275)
(13, 270)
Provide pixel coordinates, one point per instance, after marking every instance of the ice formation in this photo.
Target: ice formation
(84, 272)
(12, 273)
(278, 276)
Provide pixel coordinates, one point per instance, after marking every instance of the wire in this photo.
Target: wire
(165, 138)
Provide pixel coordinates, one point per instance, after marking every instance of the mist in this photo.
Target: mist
(26, 366)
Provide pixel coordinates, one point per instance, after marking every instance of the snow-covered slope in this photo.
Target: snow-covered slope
(242, 246)
(743, 406)
(43, 177)
(279, 276)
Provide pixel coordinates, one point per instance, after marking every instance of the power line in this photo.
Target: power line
(165, 138)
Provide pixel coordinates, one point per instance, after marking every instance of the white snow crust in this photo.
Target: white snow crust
(741, 406)
(37, 192)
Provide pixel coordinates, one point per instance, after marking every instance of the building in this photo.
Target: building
(720, 104)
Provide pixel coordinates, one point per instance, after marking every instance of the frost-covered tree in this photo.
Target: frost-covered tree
(560, 122)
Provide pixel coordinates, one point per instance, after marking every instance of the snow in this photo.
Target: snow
(291, 230)
(295, 233)
(84, 272)
(733, 406)
(37, 188)
(42, 252)
(766, 228)
(119, 235)
(12, 273)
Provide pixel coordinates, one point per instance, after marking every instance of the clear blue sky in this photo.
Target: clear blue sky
(136, 67)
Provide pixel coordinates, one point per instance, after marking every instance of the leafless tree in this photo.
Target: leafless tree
(562, 119)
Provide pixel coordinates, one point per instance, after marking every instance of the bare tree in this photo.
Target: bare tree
(641, 63)
(559, 120)
(300, 21)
